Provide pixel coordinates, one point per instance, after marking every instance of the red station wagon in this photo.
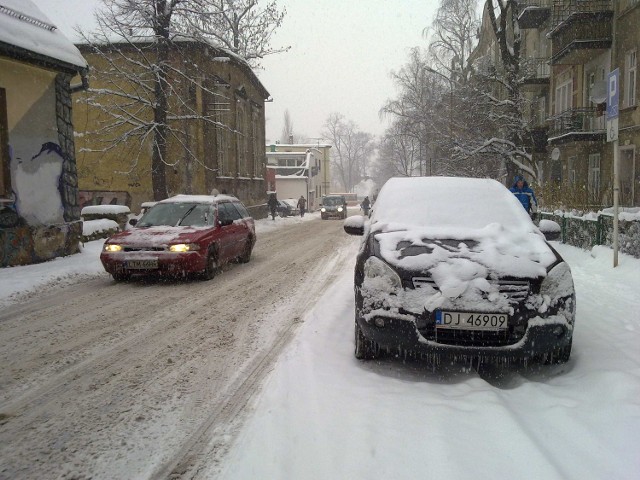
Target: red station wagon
(185, 234)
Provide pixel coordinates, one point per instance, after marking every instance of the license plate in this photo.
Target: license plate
(141, 264)
(471, 321)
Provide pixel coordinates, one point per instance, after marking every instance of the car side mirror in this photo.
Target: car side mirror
(550, 229)
(354, 225)
(225, 221)
(133, 222)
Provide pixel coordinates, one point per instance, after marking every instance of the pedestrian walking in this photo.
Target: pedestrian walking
(273, 205)
(525, 195)
(302, 204)
(365, 206)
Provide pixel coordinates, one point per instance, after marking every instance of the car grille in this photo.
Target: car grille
(469, 338)
(515, 290)
(144, 249)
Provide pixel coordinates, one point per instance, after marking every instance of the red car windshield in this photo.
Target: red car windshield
(177, 214)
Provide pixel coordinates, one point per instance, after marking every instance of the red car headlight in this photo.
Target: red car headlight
(184, 247)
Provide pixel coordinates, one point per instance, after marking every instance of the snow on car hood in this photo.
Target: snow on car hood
(454, 255)
(158, 235)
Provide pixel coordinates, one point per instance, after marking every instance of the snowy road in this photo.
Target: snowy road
(140, 381)
(145, 380)
(325, 415)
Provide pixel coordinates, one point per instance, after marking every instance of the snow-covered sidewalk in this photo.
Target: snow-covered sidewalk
(325, 415)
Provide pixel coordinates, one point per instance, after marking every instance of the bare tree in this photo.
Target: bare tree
(351, 150)
(499, 96)
(242, 26)
(287, 129)
(453, 37)
(145, 47)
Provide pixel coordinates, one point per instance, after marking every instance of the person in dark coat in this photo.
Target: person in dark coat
(524, 194)
(302, 204)
(365, 206)
(273, 205)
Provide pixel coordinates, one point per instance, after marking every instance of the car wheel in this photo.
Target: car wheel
(557, 356)
(121, 277)
(365, 349)
(246, 254)
(211, 268)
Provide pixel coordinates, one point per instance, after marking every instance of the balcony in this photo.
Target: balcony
(535, 71)
(534, 13)
(577, 124)
(581, 30)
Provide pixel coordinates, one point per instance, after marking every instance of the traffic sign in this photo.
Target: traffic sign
(613, 94)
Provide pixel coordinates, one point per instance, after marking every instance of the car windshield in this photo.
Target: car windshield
(333, 201)
(447, 202)
(177, 214)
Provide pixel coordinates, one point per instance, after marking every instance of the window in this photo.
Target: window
(220, 107)
(630, 79)
(571, 167)
(594, 177)
(564, 94)
(5, 177)
(242, 143)
(258, 145)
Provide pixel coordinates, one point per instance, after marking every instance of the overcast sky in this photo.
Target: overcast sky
(342, 54)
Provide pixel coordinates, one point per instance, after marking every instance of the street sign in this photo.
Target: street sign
(612, 130)
(613, 102)
(613, 94)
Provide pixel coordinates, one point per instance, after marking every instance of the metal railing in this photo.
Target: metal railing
(563, 9)
(577, 120)
(535, 68)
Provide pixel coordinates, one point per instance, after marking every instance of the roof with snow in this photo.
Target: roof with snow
(27, 34)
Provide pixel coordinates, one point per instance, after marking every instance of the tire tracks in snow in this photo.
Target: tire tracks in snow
(147, 379)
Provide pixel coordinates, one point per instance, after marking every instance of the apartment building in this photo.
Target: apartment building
(569, 49)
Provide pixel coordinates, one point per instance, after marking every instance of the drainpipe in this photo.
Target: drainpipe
(85, 82)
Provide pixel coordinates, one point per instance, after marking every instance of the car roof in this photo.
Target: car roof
(448, 201)
(200, 199)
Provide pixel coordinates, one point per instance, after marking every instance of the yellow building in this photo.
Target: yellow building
(217, 120)
(39, 212)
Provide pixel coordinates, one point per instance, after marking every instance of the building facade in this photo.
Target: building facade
(218, 140)
(299, 169)
(579, 42)
(40, 70)
(568, 49)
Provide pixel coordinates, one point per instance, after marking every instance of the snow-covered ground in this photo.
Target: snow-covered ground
(324, 415)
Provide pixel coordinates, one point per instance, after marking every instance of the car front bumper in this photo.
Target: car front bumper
(401, 334)
(169, 263)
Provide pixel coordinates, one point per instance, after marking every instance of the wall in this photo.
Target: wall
(45, 222)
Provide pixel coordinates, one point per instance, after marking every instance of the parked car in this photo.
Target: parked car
(454, 267)
(185, 234)
(333, 206)
(287, 207)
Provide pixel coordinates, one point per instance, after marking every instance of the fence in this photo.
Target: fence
(586, 232)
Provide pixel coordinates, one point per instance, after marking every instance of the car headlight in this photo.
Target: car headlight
(339, 209)
(112, 247)
(323, 209)
(184, 247)
(558, 291)
(376, 270)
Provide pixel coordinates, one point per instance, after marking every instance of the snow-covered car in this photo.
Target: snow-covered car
(290, 205)
(333, 206)
(182, 235)
(454, 267)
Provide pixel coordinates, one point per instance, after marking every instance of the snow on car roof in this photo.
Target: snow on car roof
(448, 201)
(420, 212)
(199, 199)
